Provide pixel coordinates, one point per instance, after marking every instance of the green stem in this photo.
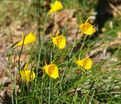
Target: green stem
(82, 45)
(10, 67)
(42, 92)
(21, 53)
(49, 97)
(73, 44)
(38, 19)
(83, 102)
(62, 77)
(45, 22)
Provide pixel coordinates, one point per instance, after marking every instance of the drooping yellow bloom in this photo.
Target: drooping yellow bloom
(51, 70)
(59, 41)
(30, 38)
(87, 28)
(56, 6)
(86, 63)
(26, 74)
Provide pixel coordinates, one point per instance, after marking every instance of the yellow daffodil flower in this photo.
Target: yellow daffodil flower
(30, 38)
(56, 6)
(59, 41)
(51, 70)
(87, 28)
(86, 63)
(26, 74)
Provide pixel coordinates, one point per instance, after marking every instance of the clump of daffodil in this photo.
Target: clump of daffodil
(26, 74)
(85, 63)
(30, 38)
(51, 70)
(59, 41)
(87, 28)
(56, 6)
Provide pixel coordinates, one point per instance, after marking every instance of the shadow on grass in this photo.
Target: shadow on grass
(104, 12)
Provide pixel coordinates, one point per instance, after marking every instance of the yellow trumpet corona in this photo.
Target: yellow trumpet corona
(26, 74)
(56, 6)
(86, 63)
(51, 70)
(59, 41)
(87, 28)
(30, 38)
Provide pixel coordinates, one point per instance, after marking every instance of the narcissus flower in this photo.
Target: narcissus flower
(86, 63)
(30, 38)
(51, 70)
(26, 74)
(59, 41)
(87, 28)
(56, 6)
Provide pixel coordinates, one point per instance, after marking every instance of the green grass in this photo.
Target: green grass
(101, 84)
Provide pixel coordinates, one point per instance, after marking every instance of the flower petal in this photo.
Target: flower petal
(52, 70)
(55, 7)
(59, 41)
(30, 38)
(86, 63)
(87, 28)
(27, 75)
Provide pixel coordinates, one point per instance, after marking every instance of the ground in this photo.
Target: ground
(103, 84)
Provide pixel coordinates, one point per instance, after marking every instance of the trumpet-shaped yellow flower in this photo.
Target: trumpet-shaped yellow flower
(86, 63)
(59, 41)
(30, 38)
(56, 6)
(26, 74)
(87, 28)
(51, 70)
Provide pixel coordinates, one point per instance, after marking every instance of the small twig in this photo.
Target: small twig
(11, 36)
(114, 44)
(115, 9)
(21, 53)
